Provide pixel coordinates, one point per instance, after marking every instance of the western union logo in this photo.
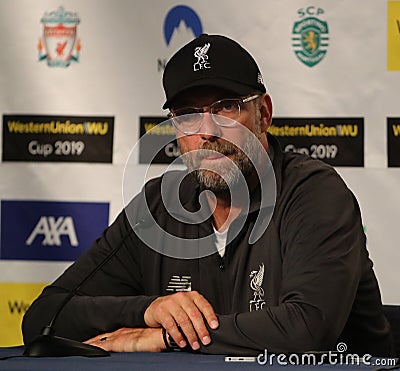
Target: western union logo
(15, 299)
(347, 130)
(393, 38)
(396, 130)
(96, 128)
(18, 306)
(321, 130)
(58, 127)
(157, 129)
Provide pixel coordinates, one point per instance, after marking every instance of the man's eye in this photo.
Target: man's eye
(226, 106)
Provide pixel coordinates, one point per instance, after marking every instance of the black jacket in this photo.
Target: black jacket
(306, 284)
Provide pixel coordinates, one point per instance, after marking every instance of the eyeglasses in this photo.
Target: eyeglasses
(225, 112)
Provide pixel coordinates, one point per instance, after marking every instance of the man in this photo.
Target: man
(235, 255)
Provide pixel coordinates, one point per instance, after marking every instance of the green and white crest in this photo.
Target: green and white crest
(310, 40)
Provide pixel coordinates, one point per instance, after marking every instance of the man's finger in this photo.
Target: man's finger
(180, 327)
(191, 318)
(207, 310)
(196, 320)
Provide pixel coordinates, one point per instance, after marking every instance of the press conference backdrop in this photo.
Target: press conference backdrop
(81, 82)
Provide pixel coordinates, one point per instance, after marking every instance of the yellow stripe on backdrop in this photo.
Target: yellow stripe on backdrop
(393, 46)
(15, 299)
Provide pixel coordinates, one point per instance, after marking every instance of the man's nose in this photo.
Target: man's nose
(208, 127)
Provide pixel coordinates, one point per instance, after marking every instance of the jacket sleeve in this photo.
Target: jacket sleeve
(111, 299)
(323, 257)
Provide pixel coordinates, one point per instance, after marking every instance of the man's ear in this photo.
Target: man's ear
(266, 112)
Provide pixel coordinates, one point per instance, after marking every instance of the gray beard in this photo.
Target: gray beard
(225, 176)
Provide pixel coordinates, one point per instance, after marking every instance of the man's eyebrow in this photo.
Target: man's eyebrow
(193, 102)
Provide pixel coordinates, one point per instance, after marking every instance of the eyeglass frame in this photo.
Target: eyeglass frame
(239, 101)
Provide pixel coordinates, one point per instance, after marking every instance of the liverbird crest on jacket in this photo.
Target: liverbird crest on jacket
(256, 281)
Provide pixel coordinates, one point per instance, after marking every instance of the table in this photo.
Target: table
(176, 361)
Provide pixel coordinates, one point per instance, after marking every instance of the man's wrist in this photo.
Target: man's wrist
(169, 342)
(165, 340)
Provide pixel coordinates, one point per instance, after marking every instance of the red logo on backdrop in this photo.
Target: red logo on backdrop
(59, 44)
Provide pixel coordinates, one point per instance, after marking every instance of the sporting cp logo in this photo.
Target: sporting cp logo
(59, 44)
(310, 36)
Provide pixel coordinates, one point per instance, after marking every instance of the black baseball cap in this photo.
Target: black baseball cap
(211, 60)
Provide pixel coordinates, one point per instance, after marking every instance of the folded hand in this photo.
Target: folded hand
(183, 313)
(130, 340)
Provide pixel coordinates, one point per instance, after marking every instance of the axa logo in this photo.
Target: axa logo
(50, 229)
(59, 45)
(181, 24)
(310, 36)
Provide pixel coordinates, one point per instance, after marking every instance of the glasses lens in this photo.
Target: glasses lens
(226, 111)
(187, 120)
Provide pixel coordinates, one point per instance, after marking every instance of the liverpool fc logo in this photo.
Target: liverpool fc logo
(59, 44)
(201, 54)
(256, 281)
